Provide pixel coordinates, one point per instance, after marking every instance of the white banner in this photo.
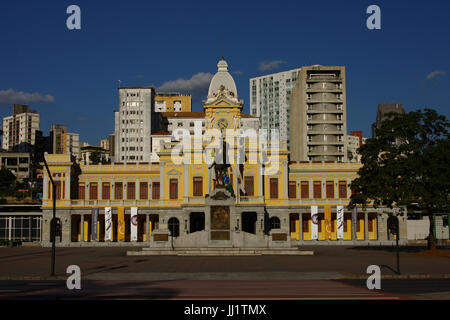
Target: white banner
(108, 224)
(340, 221)
(134, 223)
(314, 223)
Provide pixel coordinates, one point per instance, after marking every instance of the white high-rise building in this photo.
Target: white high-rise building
(269, 100)
(133, 124)
(19, 130)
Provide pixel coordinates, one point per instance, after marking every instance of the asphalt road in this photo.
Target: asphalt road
(391, 289)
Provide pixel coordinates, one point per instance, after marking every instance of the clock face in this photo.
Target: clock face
(222, 124)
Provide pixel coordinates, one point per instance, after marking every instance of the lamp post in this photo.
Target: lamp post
(53, 221)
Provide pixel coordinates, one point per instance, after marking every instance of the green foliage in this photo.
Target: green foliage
(407, 164)
(95, 157)
(7, 179)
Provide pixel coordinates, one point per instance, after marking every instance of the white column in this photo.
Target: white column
(185, 182)
(100, 189)
(286, 179)
(138, 190)
(311, 184)
(67, 186)
(45, 187)
(161, 181)
(260, 180)
(208, 180)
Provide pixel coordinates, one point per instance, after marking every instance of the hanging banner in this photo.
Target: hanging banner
(134, 223)
(340, 222)
(108, 224)
(314, 223)
(354, 222)
(327, 216)
(94, 216)
(121, 224)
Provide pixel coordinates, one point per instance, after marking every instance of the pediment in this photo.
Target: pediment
(173, 172)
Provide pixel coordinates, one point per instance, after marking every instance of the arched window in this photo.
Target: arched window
(174, 227)
(274, 223)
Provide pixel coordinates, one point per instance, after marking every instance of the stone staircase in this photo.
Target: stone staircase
(218, 251)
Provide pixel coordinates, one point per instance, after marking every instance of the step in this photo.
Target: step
(241, 252)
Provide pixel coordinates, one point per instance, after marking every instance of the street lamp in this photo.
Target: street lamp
(53, 221)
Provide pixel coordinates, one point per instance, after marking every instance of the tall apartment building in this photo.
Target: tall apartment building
(133, 124)
(318, 124)
(354, 141)
(383, 109)
(19, 130)
(64, 142)
(173, 102)
(269, 101)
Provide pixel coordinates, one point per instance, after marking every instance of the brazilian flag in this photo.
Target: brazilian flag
(228, 184)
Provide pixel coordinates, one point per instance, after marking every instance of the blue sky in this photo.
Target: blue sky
(74, 73)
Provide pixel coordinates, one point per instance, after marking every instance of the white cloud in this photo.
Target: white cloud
(11, 96)
(237, 72)
(198, 83)
(270, 65)
(436, 73)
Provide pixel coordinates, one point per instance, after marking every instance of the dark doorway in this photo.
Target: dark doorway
(249, 222)
(174, 227)
(196, 222)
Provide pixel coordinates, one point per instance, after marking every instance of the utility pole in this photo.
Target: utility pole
(53, 221)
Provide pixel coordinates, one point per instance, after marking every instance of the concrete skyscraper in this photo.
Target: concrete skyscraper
(269, 100)
(133, 124)
(318, 125)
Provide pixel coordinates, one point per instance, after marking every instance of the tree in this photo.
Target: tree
(95, 157)
(407, 166)
(7, 179)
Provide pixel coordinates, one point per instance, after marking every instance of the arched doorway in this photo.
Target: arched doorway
(392, 228)
(174, 227)
(196, 221)
(249, 222)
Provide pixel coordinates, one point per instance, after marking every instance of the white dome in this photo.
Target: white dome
(222, 78)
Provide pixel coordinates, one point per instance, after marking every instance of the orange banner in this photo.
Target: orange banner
(121, 224)
(327, 222)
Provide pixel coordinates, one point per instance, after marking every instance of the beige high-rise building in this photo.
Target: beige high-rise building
(64, 142)
(19, 130)
(318, 115)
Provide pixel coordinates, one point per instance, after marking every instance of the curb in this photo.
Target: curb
(400, 276)
(349, 277)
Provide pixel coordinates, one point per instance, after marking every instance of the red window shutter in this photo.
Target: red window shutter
(118, 191)
(198, 186)
(317, 190)
(131, 191)
(81, 189)
(155, 191)
(93, 191)
(274, 188)
(342, 189)
(173, 189)
(143, 191)
(305, 189)
(249, 186)
(292, 190)
(330, 189)
(105, 191)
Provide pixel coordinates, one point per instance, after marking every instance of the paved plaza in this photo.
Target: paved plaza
(331, 273)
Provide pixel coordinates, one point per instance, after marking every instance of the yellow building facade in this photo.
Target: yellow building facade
(189, 199)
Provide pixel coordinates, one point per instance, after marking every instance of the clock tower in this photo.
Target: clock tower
(222, 106)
